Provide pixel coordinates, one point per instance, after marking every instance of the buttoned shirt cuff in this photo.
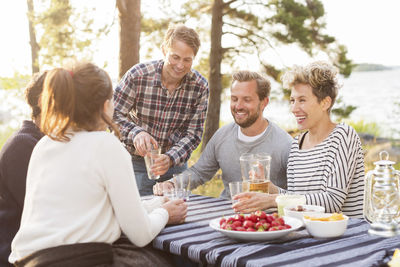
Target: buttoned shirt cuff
(174, 157)
(132, 134)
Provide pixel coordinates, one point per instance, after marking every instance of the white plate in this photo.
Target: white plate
(258, 236)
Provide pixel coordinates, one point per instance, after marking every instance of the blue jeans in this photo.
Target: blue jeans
(144, 184)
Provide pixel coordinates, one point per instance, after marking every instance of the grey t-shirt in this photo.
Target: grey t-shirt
(224, 149)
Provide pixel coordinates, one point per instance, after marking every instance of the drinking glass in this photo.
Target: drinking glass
(182, 185)
(149, 160)
(237, 188)
(255, 169)
(288, 200)
(245, 164)
(170, 193)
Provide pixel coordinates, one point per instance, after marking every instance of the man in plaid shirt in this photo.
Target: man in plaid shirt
(163, 104)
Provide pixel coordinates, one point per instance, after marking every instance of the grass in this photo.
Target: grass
(365, 127)
(212, 188)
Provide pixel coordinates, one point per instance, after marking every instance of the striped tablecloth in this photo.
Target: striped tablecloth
(196, 241)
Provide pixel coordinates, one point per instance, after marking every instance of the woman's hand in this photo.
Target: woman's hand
(253, 201)
(273, 189)
(177, 211)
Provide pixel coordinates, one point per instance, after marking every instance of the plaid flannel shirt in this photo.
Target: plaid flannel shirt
(175, 120)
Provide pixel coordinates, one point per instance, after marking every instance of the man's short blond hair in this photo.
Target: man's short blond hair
(263, 85)
(184, 34)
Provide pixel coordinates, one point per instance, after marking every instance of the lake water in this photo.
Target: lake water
(374, 93)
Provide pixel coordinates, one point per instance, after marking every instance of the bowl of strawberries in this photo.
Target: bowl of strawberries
(257, 226)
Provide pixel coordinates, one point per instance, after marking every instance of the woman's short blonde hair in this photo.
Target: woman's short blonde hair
(320, 75)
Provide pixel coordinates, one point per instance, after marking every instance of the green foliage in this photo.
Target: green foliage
(341, 61)
(64, 32)
(295, 17)
(365, 127)
(254, 27)
(18, 81)
(341, 110)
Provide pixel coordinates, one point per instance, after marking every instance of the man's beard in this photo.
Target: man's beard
(249, 121)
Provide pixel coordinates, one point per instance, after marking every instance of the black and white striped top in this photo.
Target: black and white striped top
(330, 174)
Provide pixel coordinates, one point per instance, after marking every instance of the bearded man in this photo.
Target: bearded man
(250, 133)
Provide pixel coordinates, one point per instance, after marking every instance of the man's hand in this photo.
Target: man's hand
(161, 164)
(159, 188)
(253, 201)
(143, 142)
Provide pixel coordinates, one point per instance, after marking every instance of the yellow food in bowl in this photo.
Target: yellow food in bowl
(395, 262)
(333, 217)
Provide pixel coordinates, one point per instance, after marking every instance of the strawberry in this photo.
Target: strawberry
(280, 221)
(270, 218)
(237, 223)
(266, 226)
(275, 223)
(248, 224)
(223, 225)
(239, 217)
(261, 214)
(262, 221)
(274, 228)
(253, 217)
(230, 220)
(259, 225)
(287, 226)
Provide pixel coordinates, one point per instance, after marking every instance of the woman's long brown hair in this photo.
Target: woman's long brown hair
(74, 99)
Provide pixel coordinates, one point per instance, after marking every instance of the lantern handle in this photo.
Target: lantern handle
(384, 154)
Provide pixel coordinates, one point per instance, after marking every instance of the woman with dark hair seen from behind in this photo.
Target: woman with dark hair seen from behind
(81, 190)
(14, 160)
(326, 161)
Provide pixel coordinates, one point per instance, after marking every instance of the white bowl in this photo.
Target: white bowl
(310, 210)
(257, 236)
(326, 229)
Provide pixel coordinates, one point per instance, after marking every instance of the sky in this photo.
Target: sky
(369, 29)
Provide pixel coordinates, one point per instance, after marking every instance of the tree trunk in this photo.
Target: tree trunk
(32, 38)
(216, 53)
(129, 35)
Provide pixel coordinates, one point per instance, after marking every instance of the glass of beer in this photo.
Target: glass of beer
(255, 169)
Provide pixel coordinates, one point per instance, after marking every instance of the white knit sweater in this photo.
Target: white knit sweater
(83, 190)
